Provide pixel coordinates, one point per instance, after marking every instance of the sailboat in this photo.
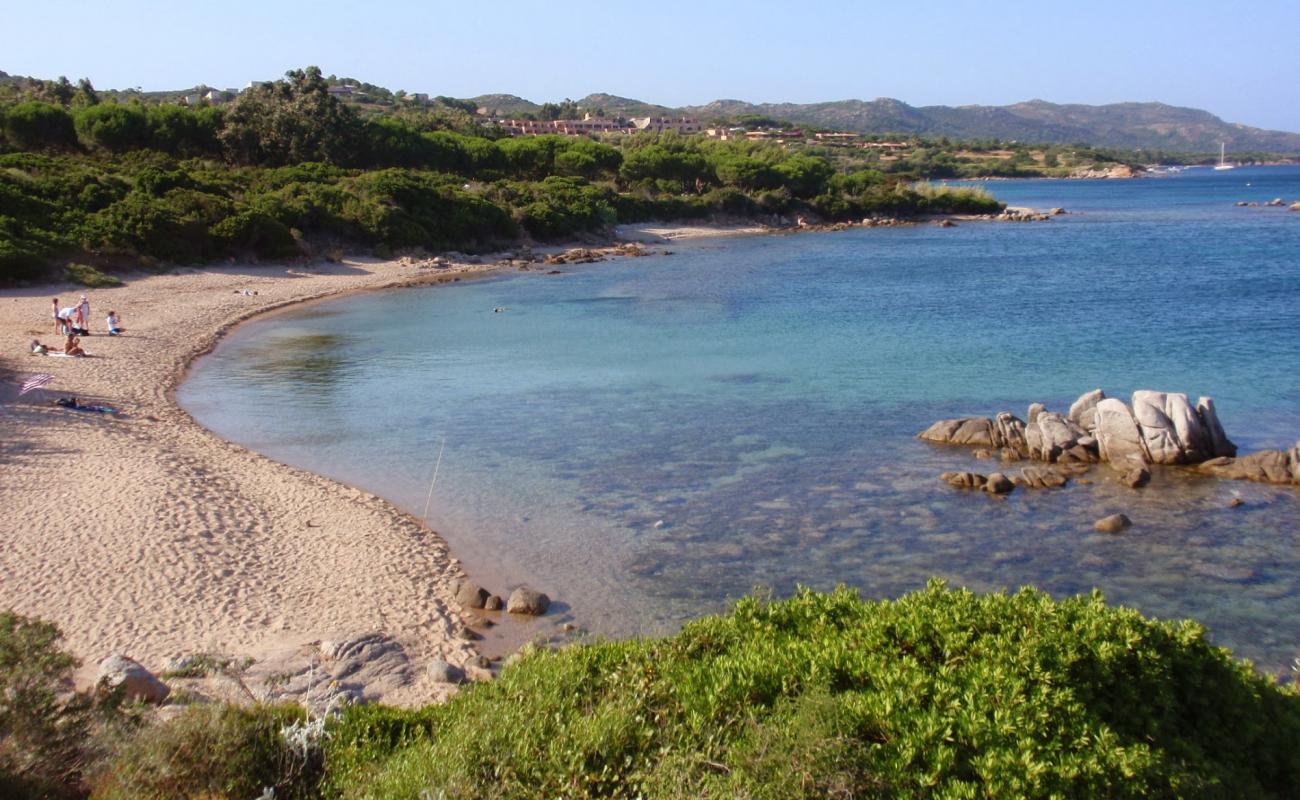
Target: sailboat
(1222, 164)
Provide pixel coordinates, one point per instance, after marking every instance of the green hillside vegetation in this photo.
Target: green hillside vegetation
(288, 168)
(939, 694)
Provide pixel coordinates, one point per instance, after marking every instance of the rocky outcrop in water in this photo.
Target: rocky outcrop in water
(1156, 428)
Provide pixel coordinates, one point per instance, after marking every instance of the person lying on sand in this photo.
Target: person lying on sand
(39, 349)
(114, 324)
(76, 405)
(72, 346)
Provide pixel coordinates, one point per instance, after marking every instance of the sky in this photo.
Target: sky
(1237, 60)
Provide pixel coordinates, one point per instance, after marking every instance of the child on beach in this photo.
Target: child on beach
(114, 324)
(83, 314)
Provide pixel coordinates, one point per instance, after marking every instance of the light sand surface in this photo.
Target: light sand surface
(147, 535)
(648, 233)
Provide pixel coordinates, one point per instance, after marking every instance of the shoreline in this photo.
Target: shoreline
(225, 564)
(146, 534)
(79, 576)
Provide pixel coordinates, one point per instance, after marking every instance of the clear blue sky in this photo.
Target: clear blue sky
(1238, 60)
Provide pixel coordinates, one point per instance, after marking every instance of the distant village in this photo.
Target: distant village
(591, 125)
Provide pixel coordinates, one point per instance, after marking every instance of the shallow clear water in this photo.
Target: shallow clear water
(761, 397)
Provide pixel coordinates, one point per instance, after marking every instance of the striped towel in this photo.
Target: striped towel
(35, 382)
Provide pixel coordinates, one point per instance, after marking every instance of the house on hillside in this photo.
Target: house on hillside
(661, 124)
(219, 96)
(725, 134)
(561, 127)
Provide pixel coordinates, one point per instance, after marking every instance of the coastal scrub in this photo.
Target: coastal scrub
(942, 693)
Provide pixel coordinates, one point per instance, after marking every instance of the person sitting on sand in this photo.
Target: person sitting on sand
(114, 324)
(72, 346)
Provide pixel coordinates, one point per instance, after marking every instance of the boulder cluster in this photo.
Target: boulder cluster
(523, 600)
(1155, 428)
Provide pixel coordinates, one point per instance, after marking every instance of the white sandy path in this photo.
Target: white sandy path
(148, 535)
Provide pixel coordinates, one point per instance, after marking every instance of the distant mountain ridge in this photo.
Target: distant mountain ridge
(1147, 126)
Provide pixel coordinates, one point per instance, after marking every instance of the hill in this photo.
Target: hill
(1149, 126)
(1131, 126)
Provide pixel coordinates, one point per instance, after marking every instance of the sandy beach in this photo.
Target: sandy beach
(144, 534)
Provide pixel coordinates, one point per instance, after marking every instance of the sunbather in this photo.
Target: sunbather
(43, 349)
(76, 405)
(72, 346)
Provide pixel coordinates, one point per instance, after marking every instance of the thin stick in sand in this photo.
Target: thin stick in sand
(428, 500)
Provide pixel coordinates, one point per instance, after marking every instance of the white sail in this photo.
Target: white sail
(1223, 164)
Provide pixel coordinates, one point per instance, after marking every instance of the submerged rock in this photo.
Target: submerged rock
(1042, 478)
(1112, 524)
(998, 483)
(964, 480)
(1265, 466)
(1135, 477)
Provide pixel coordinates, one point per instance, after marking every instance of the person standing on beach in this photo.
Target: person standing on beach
(58, 323)
(83, 315)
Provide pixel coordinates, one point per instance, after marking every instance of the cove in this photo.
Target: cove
(646, 438)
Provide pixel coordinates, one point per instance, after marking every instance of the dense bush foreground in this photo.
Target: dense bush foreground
(942, 694)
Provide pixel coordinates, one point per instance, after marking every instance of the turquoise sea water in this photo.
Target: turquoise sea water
(760, 397)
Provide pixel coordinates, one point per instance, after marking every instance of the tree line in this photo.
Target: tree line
(287, 167)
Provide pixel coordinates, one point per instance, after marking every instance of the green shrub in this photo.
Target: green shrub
(39, 126)
(213, 752)
(87, 275)
(41, 732)
(257, 232)
(112, 127)
(940, 694)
